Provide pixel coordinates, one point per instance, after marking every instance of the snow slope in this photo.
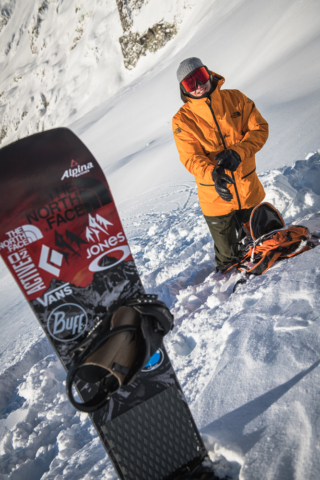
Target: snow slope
(247, 361)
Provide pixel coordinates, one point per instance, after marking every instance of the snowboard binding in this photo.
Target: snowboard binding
(113, 354)
(199, 469)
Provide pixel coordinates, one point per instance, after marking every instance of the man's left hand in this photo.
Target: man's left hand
(228, 159)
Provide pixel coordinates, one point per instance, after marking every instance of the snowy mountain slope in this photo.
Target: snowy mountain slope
(46, 74)
(60, 59)
(247, 361)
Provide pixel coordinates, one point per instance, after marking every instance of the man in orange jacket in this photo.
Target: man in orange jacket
(217, 133)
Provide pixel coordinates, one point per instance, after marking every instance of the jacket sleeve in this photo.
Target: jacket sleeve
(192, 154)
(255, 130)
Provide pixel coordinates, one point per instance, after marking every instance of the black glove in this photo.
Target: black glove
(228, 159)
(220, 185)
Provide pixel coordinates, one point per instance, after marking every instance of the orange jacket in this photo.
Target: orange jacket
(198, 128)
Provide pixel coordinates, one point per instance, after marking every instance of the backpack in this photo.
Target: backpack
(265, 239)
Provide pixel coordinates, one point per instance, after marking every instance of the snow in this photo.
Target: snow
(248, 361)
(152, 12)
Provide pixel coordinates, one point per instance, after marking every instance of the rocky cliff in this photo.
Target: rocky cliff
(134, 44)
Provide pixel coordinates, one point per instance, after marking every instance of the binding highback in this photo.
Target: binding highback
(114, 353)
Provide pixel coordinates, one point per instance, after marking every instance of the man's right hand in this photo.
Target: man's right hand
(228, 159)
(221, 186)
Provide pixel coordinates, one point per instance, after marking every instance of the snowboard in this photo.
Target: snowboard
(62, 239)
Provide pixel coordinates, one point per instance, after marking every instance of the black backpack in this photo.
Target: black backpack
(266, 239)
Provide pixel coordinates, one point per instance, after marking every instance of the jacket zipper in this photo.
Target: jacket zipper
(217, 125)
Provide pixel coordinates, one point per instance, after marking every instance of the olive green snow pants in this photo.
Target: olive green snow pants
(224, 230)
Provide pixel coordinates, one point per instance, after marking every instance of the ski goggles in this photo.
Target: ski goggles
(191, 82)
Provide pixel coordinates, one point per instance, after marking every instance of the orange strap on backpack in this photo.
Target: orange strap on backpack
(267, 240)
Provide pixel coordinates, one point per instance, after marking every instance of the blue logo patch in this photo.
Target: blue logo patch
(154, 362)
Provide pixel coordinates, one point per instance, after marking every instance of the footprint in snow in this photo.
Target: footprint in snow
(299, 314)
(291, 324)
(249, 302)
(183, 345)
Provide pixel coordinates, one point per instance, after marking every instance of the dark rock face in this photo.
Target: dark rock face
(126, 9)
(133, 44)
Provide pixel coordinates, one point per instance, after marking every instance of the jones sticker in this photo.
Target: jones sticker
(103, 263)
(67, 322)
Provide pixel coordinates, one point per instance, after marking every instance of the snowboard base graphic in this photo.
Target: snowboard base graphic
(62, 240)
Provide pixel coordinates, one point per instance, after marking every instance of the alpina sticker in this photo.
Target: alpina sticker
(77, 171)
(67, 322)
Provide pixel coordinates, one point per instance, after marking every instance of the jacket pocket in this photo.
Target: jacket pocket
(248, 174)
